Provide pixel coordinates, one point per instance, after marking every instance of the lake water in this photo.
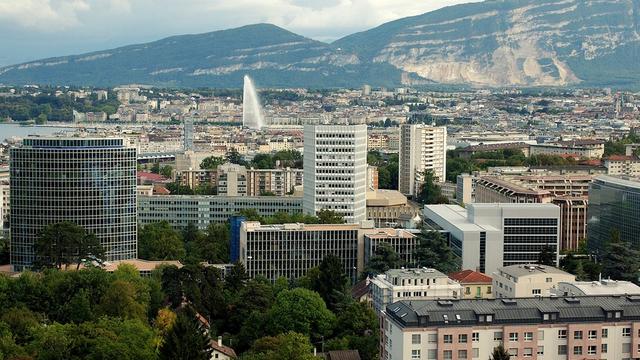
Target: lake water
(10, 130)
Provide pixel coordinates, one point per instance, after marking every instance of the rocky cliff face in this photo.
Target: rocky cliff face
(493, 43)
(534, 42)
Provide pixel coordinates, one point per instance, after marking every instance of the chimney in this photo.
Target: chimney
(219, 340)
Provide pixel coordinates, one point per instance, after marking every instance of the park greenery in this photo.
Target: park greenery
(43, 107)
(618, 147)
(285, 158)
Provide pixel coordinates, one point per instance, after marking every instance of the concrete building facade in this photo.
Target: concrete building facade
(531, 280)
(422, 148)
(335, 170)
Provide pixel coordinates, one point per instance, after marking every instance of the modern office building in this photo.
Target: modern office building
(202, 210)
(411, 284)
(569, 192)
(422, 148)
(335, 170)
(531, 280)
(596, 327)
(90, 182)
(489, 236)
(403, 242)
(614, 204)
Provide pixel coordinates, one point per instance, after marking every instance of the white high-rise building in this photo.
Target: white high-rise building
(422, 147)
(335, 170)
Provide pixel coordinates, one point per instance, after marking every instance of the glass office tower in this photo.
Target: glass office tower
(90, 182)
(614, 203)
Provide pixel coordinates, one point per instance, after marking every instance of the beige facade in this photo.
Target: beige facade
(519, 281)
(590, 149)
(622, 165)
(422, 148)
(389, 208)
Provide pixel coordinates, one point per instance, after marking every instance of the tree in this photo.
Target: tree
(500, 353)
(385, 257)
(236, 277)
(433, 252)
(120, 301)
(430, 192)
(166, 171)
(211, 162)
(620, 261)
(302, 311)
(329, 217)
(66, 243)
(234, 157)
(332, 281)
(547, 256)
(41, 119)
(287, 346)
(186, 340)
(159, 241)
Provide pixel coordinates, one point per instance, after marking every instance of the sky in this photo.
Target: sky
(35, 29)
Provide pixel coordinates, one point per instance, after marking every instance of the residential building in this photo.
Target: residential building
(489, 236)
(622, 165)
(475, 285)
(335, 170)
(219, 351)
(88, 181)
(516, 281)
(465, 189)
(422, 148)
(5, 195)
(597, 327)
(412, 284)
(202, 210)
(590, 149)
(614, 204)
(232, 180)
(596, 288)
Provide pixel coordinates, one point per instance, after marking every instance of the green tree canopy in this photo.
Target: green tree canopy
(66, 243)
(620, 260)
(433, 252)
(185, 340)
(302, 311)
(287, 346)
(384, 258)
(430, 191)
(211, 162)
(332, 281)
(159, 241)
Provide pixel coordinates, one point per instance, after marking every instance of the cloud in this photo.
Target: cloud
(43, 15)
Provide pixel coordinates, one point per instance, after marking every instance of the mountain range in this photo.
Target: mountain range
(491, 43)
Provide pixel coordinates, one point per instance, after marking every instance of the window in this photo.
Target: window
(604, 348)
(462, 354)
(432, 354)
(605, 333)
(593, 334)
(475, 337)
(527, 352)
(488, 289)
(562, 349)
(591, 350)
(415, 338)
(540, 350)
(475, 352)
(536, 292)
(549, 279)
(626, 332)
(497, 336)
(540, 334)
(447, 354)
(562, 334)
(577, 350)
(513, 351)
(415, 354)
(432, 338)
(448, 339)
(528, 336)
(467, 290)
(513, 336)
(626, 347)
(577, 335)
(462, 338)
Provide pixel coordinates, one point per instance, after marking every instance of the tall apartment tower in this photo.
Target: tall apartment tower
(422, 147)
(335, 170)
(90, 182)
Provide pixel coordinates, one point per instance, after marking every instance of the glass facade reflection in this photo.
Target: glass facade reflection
(91, 182)
(614, 203)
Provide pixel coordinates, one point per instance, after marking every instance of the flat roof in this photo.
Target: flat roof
(604, 287)
(626, 182)
(456, 215)
(531, 269)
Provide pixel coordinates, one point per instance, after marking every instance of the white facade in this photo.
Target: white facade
(596, 288)
(335, 170)
(412, 284)
(422, 148)
(4, 204)
(518, 281)
(489, 236)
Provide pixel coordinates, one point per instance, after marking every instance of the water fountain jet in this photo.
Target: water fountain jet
(252, 116)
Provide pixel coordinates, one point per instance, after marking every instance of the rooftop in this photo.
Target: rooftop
(470, 277)
(531, 269)
(443, 313)
(385, 198)
(604, 287)
(414, 273)
(620, 181)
